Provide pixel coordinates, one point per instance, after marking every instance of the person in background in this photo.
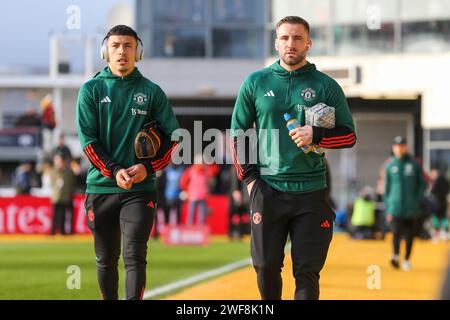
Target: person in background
(363, 216)
(172, 193)
(30, 118)
(63, 189)
(404, 191)
(439, 189)
(63, 149)
(195, 181)
(25, 177)
(238, 224)
(45, 171)
(80, 174)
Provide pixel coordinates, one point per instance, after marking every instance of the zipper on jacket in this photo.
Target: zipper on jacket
(288, 97)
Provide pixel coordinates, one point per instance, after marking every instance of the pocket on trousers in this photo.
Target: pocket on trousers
(255, 204)
(253, 192)
(89, 211)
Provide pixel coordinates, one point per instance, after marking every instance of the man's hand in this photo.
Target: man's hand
(138, 173)
(302, 136)
(123, 180)
(237, 197)
(250, 187)
(389, 217)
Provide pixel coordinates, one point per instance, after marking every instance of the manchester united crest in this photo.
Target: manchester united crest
(257, 217)
(308, 94)
(140, 98)
(91, 215)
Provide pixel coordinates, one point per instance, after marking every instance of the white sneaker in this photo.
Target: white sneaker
(406, 265)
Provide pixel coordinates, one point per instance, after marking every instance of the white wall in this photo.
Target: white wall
(397, 76)
(199, 77)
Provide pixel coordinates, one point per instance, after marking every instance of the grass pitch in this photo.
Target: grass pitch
(38, 269)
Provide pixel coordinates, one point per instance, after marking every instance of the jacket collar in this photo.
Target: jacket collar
(283, 73)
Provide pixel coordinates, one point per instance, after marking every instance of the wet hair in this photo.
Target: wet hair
(293, 20)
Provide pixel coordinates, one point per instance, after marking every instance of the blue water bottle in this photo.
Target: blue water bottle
(292, 123)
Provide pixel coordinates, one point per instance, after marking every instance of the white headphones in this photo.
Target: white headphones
(139, 49)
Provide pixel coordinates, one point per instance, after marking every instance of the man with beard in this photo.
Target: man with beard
(287, 188)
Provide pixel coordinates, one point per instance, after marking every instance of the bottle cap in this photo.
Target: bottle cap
(287, 116)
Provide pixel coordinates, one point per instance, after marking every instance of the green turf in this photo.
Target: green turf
(38, 270)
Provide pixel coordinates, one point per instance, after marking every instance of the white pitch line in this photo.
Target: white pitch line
(197, 278)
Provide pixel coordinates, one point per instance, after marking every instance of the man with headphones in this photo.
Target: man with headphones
(288, 195)
(121, 188)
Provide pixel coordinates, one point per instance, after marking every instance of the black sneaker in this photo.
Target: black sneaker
(395, 263)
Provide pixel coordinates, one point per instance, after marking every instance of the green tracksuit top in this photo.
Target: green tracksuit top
(263, 99)
(404, 187)
(110, 112)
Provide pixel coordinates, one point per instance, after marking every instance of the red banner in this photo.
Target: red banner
(29, 214)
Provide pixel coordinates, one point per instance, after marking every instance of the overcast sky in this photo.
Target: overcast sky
(26, 25)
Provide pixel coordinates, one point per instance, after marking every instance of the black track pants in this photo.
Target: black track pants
(112, 217)
(307, 219)
(403, 227)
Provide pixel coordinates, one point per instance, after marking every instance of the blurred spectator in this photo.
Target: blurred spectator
(363, 216)
(380, 221)
(424, 214)
(45, 171)
(29, 119)
(48, 112)
(80, 175)
(340, 223)
(161, 181)
(169, 45)
(404, 190)
(25, 178)
(63, 188)
(437, 205)
(195, 180)
(63, 149)
(239, 205)
(172, 193)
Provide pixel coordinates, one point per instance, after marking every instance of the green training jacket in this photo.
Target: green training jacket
(263, 99)
(404, 187)
(110, 112)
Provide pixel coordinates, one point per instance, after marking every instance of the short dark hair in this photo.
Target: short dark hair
(293, 20)
(122, 30)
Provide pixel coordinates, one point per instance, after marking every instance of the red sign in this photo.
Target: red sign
(29, 214)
